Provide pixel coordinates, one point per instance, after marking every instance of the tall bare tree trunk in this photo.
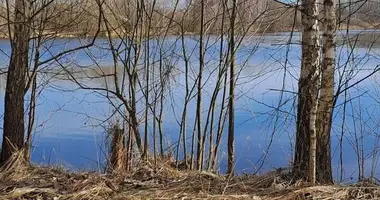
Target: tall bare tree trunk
(305, 149)
(162, 100)
(147, 104)
(200, 149)
(326, 99)
(213, 152)
(231, 119)
(13, 136)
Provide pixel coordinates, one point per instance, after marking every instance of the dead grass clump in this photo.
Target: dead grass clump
(118, 152)
(363, 192)
(30, 193)
(162, 181)
(16, 168)
(93, 191)
(50, 183)
(271, 182)
(161, 168)
(165, 168)
(327, 193)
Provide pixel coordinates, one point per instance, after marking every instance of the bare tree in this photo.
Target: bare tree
(13, 136)
(200, 143)
(33, 21)
(326, 99)
(304, 166)
(231, 106)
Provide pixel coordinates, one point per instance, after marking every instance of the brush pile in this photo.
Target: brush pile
(21, 181)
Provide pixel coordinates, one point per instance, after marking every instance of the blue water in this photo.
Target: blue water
(70, 124)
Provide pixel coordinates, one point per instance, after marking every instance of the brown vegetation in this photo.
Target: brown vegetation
(163, 182)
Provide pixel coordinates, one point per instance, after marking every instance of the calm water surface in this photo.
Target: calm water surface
(70, 128)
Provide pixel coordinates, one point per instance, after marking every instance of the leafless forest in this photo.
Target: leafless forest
(183, 64)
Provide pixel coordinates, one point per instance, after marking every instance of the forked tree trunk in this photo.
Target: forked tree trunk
(325, 108)
(303, 166)
(13, 136)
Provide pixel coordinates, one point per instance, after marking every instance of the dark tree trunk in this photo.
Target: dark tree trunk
(231, 103)
(13, 137)
(200, 146)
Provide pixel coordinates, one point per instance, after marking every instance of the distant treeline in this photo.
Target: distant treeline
(79, 18)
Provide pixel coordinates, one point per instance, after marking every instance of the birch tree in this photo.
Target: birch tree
(325, 107)
(305, 148)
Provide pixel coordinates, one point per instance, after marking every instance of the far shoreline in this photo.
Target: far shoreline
(269, 33)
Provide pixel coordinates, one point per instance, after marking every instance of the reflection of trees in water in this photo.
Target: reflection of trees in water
(103, 76)
(365, 39)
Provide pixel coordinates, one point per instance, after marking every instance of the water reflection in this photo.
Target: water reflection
(71, 121)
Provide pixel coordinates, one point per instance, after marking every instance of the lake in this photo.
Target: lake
(70, 123)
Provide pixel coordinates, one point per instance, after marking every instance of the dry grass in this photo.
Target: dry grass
(19, 181)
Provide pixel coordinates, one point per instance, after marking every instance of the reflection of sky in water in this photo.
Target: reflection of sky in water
(65, 133)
